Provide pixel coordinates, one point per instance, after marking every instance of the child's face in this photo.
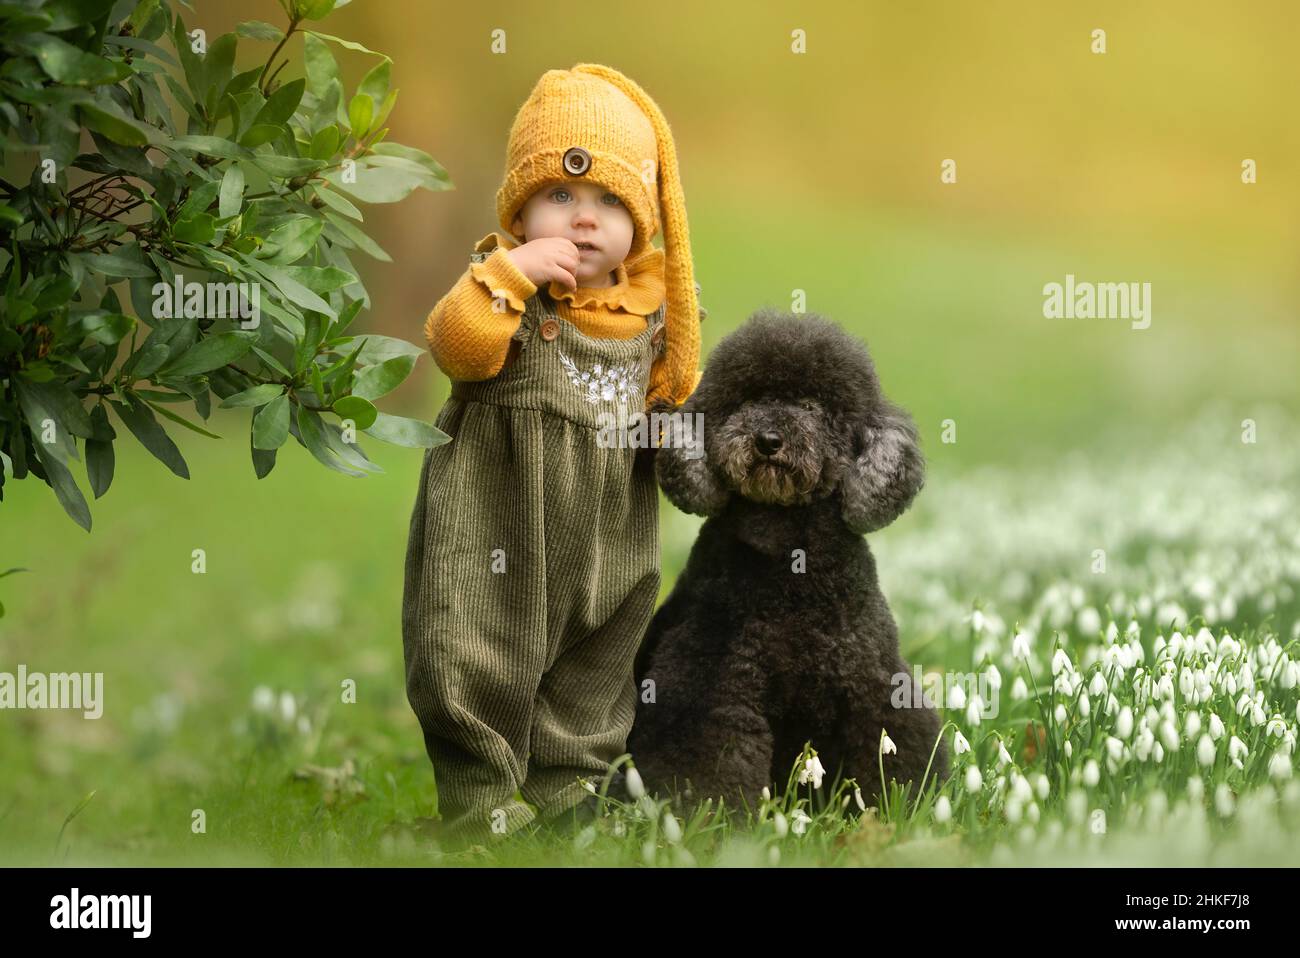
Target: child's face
(584, 213)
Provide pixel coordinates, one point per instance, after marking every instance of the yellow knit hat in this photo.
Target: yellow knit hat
(594, 123)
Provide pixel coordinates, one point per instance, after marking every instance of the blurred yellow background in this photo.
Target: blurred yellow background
(821, 171)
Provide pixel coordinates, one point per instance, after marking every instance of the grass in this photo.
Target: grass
(224, 701)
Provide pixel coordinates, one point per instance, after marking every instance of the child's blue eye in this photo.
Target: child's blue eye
(560, 196)
(612, 197)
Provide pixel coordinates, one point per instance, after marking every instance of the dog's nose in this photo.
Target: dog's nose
(767, 442)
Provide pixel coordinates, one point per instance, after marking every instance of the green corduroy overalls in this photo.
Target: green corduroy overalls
(532, 571)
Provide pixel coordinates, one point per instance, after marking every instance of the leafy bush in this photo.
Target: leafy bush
(221, 199)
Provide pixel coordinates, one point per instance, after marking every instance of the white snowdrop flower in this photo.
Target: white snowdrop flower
(1297, 711)
(1069, 749)
(857, 798)
(960, 745)
(1244, 703)
(1169, 735)
(974, 780)
(943, 810)
(1279, 766)
(1158, 753)
(1032, 812)
(1004, 757)
(1088, 621)
(977, 620)
(263, 699)
(1205, 751)
(1063, 685)
(1097, 822)
(1237, 751)
(1020, 787)
(1060, 714)
(956, 697)
(973, 708)
(1114, 748)
(1135, 652)
(766, 793)
(1144, 745)
(1192, 724)
(1288, 741)
(1000, 784)
(1228, 645)
(1112, 633)
(1019, 690)
(1042, 786)
(1091, 773)
(1195, 788)
(1013, 809)
(1216, 726)
(1164, 688)
(887, 746)
(1186, 682)
(1020, 647)
(288, 707)
(1257, 715)
(1098, 684)
(993, 678)
(1124, 723)
(1132, 631)
(1229, 683)
(589, 786)
(636, 788)
(799, 821)
(1289, 675)
(781, 825)
(1085, 706)
(1061, 662)
(812, 770)
(1223, 800)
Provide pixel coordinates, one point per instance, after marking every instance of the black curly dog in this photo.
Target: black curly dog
(776, 632)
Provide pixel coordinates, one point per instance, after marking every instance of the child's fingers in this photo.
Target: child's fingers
(566, 277)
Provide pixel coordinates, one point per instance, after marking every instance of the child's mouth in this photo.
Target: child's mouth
(586, 247)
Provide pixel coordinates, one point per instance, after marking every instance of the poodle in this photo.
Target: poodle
(777, 633)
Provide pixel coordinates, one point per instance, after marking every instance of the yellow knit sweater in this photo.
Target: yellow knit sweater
(469, 339)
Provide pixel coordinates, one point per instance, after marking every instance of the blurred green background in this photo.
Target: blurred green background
(817, 172)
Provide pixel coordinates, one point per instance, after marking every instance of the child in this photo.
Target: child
(532, 567)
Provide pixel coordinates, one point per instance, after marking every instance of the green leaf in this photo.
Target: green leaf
(99, 453)
(211, 145)
(355, 236)
(375, 83)
(325, 143)
(292, 290)
(210, 353)
(145, 428)
(68, 64)
(311, 430)
(321, 65)
(291, 240)
(258, 395)
(379, 380)
(360, 112)
(163, 410)
(232, 191)
(379, 349)
(316, 9)
(259, 30)
(321, 279)
(346, 44)
(65, 487)
(105, 327)
(198, 229)
(361, 411)
(116, 264)
(114, 125)
(271, 424)
(401, 431)
(282, 104)
(260, 133)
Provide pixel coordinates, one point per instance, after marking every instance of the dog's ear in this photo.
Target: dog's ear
(887, 472)
(683, 469)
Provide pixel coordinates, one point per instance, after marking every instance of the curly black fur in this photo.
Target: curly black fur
(750, 658)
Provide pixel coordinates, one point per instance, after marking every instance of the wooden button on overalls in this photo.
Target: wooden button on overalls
(550, 329)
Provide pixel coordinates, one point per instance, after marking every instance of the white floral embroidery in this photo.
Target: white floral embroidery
(607, 383)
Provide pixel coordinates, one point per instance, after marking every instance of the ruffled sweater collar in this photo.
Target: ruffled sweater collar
(638, 282)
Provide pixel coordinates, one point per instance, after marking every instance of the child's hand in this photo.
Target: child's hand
(546, 259)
